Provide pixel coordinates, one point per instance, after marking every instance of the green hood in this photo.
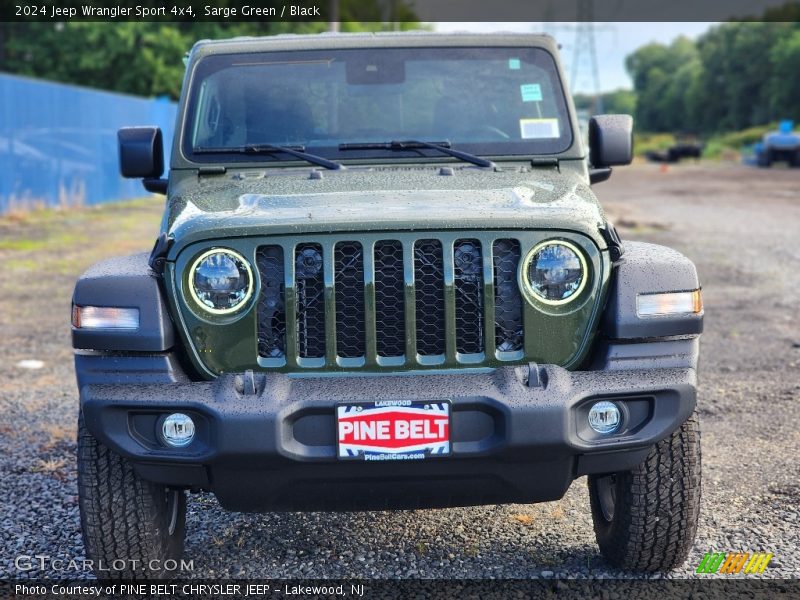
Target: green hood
(397, 198)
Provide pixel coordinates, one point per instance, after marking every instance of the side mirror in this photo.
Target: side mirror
(610, 144)
(141, 155)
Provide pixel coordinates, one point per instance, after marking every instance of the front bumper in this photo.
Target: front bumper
(518, 435)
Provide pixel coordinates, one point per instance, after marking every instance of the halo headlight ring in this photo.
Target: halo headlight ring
(238, 258)
(529, 290)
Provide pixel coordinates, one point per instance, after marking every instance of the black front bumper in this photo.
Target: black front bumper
(274, 447)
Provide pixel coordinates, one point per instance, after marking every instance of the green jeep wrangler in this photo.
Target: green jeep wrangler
(382, 281)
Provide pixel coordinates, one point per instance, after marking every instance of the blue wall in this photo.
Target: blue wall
(58, 143)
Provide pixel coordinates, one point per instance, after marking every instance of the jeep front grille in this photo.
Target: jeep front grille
(390, 314)
(436, 300)
(349, 288)
(429, 297)
(271, 304)
(468, 275)
(310, 291)
(508, 336)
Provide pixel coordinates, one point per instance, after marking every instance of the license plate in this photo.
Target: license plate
(393, 430)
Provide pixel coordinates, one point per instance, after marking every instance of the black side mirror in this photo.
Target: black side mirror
(610, 144)
(141, 155)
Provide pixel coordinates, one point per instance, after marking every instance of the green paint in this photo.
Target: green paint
(261, 202)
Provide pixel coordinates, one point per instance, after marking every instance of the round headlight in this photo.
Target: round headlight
(555, 272)
(220, 281)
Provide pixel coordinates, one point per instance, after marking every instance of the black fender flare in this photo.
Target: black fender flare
(649, 269)
(124, 282)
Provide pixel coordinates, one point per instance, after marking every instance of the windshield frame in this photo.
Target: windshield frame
(508, 151)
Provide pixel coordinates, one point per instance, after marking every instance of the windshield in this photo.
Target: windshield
(490, 101)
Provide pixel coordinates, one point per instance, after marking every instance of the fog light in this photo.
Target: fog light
(178, 430)
(604, 417)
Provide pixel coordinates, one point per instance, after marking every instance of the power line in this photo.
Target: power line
(584, 32)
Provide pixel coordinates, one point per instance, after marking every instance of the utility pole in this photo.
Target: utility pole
(584, 31)
(585, 42)
(333, 21)
(388, 10)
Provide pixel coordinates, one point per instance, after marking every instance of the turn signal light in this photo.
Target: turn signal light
(672, 303)
(104, 317)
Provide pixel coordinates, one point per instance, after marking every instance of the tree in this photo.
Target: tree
(652, 68)
(738, 67)
(616, 102)
(146, 58)
(785, 85)
(735, 76)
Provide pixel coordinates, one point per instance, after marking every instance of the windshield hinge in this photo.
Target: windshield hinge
(158, 255)
(613, 241)
(544, 161)
(211, 170)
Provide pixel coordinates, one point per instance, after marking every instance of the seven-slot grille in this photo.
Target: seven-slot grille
(390, 303)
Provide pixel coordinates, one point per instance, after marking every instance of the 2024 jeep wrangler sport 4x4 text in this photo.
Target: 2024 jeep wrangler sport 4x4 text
(383, 281)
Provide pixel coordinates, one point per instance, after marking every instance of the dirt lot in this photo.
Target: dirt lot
(739, 225)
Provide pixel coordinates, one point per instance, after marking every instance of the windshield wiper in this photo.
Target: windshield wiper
(398, 146)
(298, 151)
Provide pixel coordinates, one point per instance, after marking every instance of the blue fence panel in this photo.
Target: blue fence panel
(58, 143)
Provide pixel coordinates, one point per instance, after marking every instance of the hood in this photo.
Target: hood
(295, 201)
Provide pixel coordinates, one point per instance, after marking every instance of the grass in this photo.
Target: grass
(522, 518)
(725, 145)
(652, 142)
(56, 434)
(65, 241)
(721, 146)
(50, 466)
(45, 251)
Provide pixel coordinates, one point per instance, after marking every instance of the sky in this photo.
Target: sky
(613, 42)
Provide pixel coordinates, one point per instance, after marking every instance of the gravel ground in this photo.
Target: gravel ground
(739, 225)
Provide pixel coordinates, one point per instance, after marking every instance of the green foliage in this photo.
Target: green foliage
(732, 143)
(146, 58)
(735, 76)
(785, 84)
(659, 75)
(649, 142)
(616, 102)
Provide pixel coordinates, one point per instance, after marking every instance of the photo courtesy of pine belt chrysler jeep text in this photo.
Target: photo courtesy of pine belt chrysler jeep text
(383, 281)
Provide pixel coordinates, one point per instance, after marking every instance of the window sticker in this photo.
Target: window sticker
(537, 129)
(531, 92)
(514, 64)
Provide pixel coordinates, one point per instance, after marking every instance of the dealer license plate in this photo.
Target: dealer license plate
(393, 430)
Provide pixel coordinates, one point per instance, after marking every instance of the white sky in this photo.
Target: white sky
(613, 42)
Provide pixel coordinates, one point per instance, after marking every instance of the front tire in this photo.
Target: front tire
(646, 519)
(126, 521)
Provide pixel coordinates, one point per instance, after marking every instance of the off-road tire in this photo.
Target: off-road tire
(124, 517)
(655, 507)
